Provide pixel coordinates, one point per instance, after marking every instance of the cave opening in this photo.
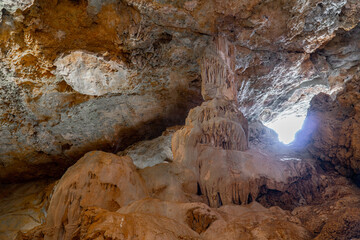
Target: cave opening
(286, 126)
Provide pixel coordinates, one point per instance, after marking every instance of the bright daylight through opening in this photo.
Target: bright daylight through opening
(286, 127)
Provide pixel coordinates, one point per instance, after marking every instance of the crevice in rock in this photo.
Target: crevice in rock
(199, 219)
(198, 192)
(219, 200)
(250, 199)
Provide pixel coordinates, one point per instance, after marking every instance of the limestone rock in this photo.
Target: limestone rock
(68, 66)
(260, 134)
(172, 182)
(213, 145)
(218, 71)
(228, 222)
(277, 83)
(112, 225)
(149, 217)
(331, 129)
(84, 75)
(256, 222)
(154, 219)
(11, 5)
(197, 216)
(108, 123)
(221, 125)
(151, 152)
(97, 180)
(275, 79)
(23, 206)
(228, 177)
(336, 212)
(272, 224)
(92, 75)
(224, 171)
(151, 51)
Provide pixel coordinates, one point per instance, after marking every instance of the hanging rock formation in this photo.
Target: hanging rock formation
(214, 144)
(68, 64)
(132, 119)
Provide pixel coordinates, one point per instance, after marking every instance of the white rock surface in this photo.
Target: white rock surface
(13, 5)
(92, 75)
(94, 6)
(150, 153)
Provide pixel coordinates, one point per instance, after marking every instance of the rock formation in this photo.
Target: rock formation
(23, 206)
(123, 83)
(151, 152)
(129, 119)
(96, 180)
(332, 129)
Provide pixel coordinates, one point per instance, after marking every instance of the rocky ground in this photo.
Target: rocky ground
(259, 193)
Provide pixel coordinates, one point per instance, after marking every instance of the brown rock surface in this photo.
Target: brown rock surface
(102, 224)
(213, 147)
(83, 75)
(151, 152)
(334, 215)
(331, 129)
(256, 222)
(175, 212)
(23, 206)
(78, 76)
(218, 71)
(195, 215)
(97, 180)
(278, 75)
(171, 182)
(75, 74)
(228, 222)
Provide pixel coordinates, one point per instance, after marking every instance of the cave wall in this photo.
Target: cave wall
(112, 75)
(83, 75)
(330, 130)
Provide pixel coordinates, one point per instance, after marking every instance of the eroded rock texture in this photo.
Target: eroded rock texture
(328, 218)
(79, 76)
(96, 180)
(280, 65)
(23, 206)
(108, 210)
(332, 130)
(214, 144)
(151, 152)
(111, 76)
(74, 74)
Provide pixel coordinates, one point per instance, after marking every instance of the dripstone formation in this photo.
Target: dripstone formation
(132, 119)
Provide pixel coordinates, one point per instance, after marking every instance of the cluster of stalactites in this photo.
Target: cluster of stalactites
(225, 134)
(217, 72)
(222, 124)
